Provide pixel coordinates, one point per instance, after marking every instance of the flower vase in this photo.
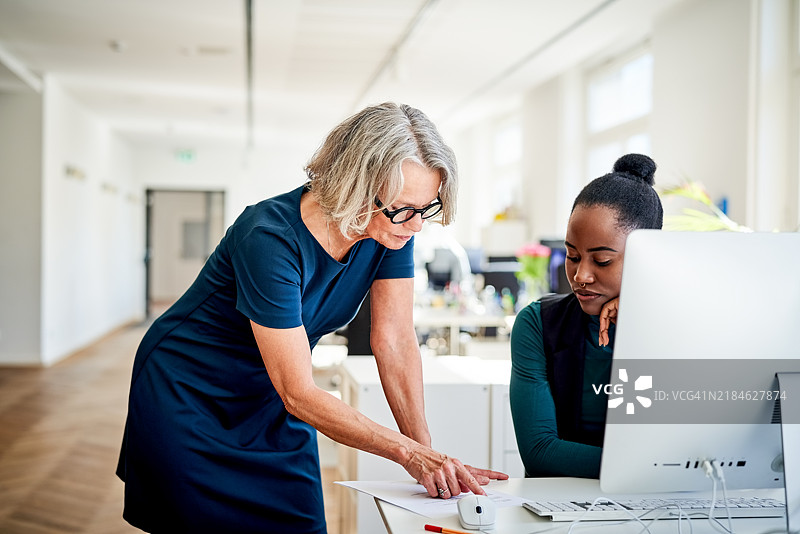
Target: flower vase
(534, 289)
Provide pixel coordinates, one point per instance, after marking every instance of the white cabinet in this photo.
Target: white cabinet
(466, 406)
(503, 450)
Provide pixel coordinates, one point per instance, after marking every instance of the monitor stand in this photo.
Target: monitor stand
(789, 383)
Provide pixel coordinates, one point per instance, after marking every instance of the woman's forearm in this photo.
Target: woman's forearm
(346, 425)
(401, 378)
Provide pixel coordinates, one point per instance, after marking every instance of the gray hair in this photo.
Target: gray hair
(361, 160)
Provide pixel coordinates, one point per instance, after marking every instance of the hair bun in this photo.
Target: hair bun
(639, 165)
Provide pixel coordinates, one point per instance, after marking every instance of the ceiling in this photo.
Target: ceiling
(169, 71)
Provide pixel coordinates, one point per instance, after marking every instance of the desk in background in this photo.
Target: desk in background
(517, 520)
(455, 320)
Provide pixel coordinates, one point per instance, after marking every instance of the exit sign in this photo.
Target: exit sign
(185, 155)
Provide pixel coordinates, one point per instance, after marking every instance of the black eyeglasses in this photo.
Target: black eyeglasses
(406, 214)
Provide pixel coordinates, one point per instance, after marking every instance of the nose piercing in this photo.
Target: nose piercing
(583, 286)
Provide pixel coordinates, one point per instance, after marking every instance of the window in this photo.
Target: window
(619, 99)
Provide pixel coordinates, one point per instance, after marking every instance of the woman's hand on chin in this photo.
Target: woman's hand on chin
(608, 315)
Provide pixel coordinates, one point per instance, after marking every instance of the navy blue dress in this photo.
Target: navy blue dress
(208, 444)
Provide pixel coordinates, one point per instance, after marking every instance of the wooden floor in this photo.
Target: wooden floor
(60, 431)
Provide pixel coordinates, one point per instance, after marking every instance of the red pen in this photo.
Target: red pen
(445, 530)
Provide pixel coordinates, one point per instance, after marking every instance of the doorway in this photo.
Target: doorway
(182, 230)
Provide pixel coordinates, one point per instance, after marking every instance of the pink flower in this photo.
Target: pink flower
(534, 249)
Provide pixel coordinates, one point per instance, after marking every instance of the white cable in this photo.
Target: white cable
(604, 499)
(714, 472)
(721, 477)
(681, 515)
(667, 509)
(713, 501)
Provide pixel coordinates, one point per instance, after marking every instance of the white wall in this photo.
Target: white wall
(701, 98)
(246, 176)
(20, 227)
(92, 229)
(553, 169)
(721, 105)
(473, 155)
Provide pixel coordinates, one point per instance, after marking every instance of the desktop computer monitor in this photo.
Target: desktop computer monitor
(706, 321)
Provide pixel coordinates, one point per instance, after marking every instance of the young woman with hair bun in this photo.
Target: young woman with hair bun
(562, 344)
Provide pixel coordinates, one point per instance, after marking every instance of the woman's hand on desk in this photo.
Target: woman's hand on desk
(484, 476)
(444, 476)
(608, 315)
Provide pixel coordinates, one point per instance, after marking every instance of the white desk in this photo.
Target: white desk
(517, 520)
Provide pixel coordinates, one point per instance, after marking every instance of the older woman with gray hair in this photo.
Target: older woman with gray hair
(223, 411)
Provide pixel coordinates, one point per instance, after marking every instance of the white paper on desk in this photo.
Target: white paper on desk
(414, 497)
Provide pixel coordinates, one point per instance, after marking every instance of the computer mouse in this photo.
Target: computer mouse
(476, 512)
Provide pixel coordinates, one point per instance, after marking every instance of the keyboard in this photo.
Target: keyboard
(620, 510)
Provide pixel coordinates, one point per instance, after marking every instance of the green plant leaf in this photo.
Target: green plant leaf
(690, 190)
(696, 220)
